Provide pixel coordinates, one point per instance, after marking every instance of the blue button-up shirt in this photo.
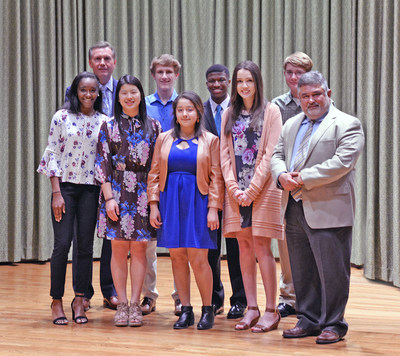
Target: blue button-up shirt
(157, 110)
(300, 134)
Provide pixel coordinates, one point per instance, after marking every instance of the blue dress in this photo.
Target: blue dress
(183, 208)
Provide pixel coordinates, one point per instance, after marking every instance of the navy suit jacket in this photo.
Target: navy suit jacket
(115, 82)
(209, 122)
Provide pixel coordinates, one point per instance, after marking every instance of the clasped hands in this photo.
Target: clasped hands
(242, 198)
(290, 180)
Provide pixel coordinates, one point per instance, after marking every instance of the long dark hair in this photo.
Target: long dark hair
(198, 105)
(237, 105)
(144, 121)
(73, 104)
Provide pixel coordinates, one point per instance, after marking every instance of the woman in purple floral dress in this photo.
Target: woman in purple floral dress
(69, 163)
(251, 128)
(124, 153)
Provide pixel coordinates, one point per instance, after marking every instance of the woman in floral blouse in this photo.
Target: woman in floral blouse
(124, 154)
(69, 163)
(251, 127)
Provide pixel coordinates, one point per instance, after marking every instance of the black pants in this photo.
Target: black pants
(81, 202)
(106, 281)
(235, 275)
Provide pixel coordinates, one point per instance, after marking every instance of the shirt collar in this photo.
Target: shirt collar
(289, 97)
(109, 85)
(318, 121)
(224, 104)
(156, 97)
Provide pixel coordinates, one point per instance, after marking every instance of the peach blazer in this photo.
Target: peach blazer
(262, 189)
(208, 171)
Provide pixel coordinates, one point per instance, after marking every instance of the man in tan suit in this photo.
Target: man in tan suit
(314, 163)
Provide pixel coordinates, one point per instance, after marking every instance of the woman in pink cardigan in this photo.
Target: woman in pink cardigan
(251, 128)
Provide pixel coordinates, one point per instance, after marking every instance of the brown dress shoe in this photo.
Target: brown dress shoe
(148, 305)
(298, 332)
(111, 303)
(328, 337)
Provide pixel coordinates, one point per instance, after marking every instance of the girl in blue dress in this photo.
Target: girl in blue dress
(185, 192)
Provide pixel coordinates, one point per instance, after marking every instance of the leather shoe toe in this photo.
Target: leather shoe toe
(286, 310)
(328, 337)
(148, 305)
(218, 309)
(111, 303)
(298, 332)
(236, 311)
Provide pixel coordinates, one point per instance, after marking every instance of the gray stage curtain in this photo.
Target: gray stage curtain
(355, 44)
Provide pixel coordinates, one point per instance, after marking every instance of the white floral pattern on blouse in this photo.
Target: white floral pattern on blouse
(71, 147)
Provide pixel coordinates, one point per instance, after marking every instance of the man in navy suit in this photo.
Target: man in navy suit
(217, 84)
(102, 61)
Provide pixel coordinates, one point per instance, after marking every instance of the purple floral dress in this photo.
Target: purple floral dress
(245, 145)
(124, 160)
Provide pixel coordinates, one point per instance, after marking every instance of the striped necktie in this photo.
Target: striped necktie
(300, 158)
(217, 119)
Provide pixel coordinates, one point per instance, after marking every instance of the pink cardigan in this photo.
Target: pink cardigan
(266, 197)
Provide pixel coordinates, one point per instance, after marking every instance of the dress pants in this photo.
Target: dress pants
(214, 259)
(81, 201)
(320, 261)
(235, 273)
(106, 282)
(286, 287)
(149, 284)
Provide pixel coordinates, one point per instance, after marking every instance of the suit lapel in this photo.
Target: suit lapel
(326, 122)
(209, 118)
(292, 136)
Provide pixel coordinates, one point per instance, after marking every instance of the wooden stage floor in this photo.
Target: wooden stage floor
(373, 314)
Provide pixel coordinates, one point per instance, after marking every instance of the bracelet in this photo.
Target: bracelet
(58, 191)
(109, 199)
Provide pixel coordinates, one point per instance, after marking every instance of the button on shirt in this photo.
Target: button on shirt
(288, 105)
(157, 110)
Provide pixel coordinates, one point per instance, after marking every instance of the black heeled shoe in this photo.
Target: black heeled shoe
(186, 318)
(207, 318)
(81, 319)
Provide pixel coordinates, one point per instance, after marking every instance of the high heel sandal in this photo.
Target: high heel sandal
(259, 328)
(243, 325)
(121, 317)
(62, 320)
(81, 319)
(135, 315)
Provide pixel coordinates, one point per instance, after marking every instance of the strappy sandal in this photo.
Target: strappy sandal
(259, 328)
(80, 319)
(62, 320)
(135, 315)
(245, 326)
(121, 317)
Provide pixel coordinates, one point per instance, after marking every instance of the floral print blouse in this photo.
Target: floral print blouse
(124, 160)
(71, 148)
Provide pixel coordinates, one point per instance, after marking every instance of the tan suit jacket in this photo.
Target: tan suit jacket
(266, 197)
(328, 173)
(208, 171)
